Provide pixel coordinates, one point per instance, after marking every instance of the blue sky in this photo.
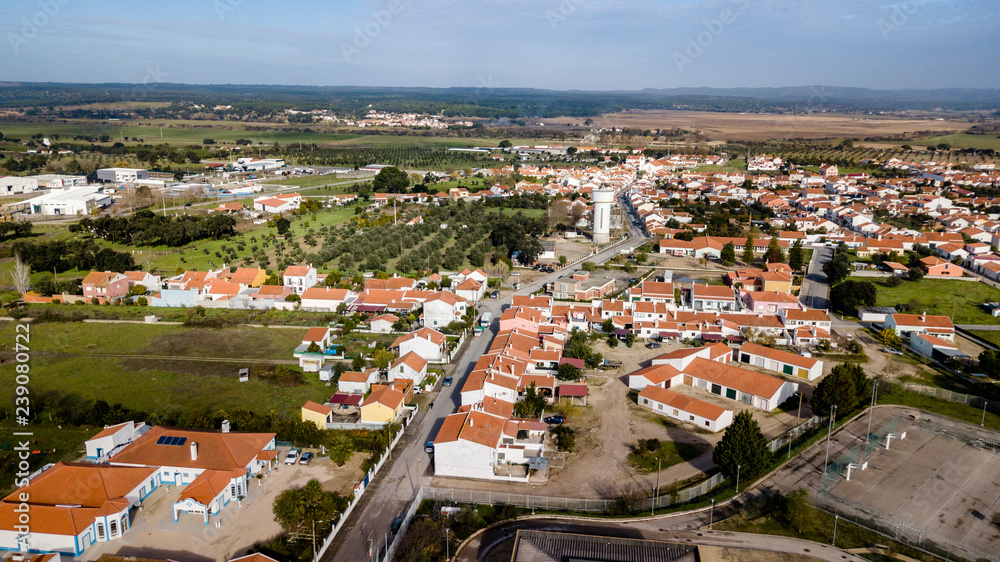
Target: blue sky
(554, 44)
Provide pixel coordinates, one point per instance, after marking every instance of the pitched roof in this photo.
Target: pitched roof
(386, 396)
(743, 380)
(296, 271)
(411, 360)
(684, 403)
(318, 408)
(316, 334)
(220, 451)
(779, 356)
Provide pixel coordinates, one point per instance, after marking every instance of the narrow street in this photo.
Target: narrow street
(397, 484)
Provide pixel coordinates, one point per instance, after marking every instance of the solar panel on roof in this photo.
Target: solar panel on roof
(162, 440)
(171, 440)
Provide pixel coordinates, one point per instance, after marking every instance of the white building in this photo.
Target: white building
(10, 185)
(479, 439)
(71, 202)
(791, 364)
(410, 366)
(430, 344)
(443, 308)
(122, 175)
(113, 438)
(58, 181)
(685, 409)
(298, 278)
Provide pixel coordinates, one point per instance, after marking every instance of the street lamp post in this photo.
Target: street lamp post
(738, 467)
(532, 499)
(983, 423)
(656, 491)
(314, 536)
(829, 431)
(871, 411)
(447, 545)
(711, 515)
(835, 519)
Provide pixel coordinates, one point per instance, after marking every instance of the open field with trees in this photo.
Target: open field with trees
(944, 297)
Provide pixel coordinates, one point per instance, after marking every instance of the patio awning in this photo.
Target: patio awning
(578, 363)
(622, 332)
(712, 337)
(670, 334)
(369, 308)
(538, 463)
(572, 390)
(735, 339)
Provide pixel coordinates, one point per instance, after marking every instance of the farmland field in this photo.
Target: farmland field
(736, 126)
(963, 141)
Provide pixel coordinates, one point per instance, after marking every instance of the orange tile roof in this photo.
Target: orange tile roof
(743, 380)
(412, 360)
(316, 334)
(779, 356)
(209, 484)
(657, 374)
(296, 271)
(386, 396)
(109, 431)
(219, 451)
(684, 403)
(318, 408)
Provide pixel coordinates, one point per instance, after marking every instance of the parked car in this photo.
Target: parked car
(396, 524)
(292, 457)
(306, 458)
(495, 295)
(429, 447)
(554, 420)
(446, 381)
(652, 345)
(893, 351)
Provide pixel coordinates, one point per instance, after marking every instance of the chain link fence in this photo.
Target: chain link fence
(975, 401)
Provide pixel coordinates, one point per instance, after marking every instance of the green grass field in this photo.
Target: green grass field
(962, 140)
(174, 132)
(530, 213)
(306, 181)
(988, 335)
(86, 360)
(942, 297)
(669, 453)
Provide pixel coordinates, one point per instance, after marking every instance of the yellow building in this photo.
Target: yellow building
(249, 276)
(776, 281)
(317, 413)
(383, 405)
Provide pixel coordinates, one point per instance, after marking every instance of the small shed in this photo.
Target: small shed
(577, 393)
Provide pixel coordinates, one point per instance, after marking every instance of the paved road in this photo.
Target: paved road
(680, 529)
(814, 287)
(368, 527)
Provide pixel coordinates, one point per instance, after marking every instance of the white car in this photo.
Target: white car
(292, 457)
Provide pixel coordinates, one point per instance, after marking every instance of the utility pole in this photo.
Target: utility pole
(829, 431)
(871, 410)
(656, 491)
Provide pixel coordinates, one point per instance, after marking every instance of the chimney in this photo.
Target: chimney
(225, 426)
(923, 317)
(194, 450)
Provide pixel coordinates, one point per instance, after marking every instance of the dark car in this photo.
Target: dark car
(306, 458)
(429, 447)
(554, 420)
(397, 523)
(652, 345)
(536, 268)
(446, 381)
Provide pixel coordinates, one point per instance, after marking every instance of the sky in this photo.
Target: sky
(551, 44)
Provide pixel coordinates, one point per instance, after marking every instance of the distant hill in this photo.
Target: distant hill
(510, 103)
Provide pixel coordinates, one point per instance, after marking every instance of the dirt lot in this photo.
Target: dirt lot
(241, 526)
(715, 554)
(941, 484)
(725, 126)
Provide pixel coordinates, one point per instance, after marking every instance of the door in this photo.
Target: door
(731, 394)
(687, 380)
(716, 389)
(788, 370)
(803, 374)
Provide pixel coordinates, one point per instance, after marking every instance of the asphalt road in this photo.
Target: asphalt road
(814, 287)
(367, 530)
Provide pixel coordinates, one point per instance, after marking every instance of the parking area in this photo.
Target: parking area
(938, 486)
(237, 527)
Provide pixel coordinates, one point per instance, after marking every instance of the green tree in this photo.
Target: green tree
(989, 363)
(846, 386)
(505, 144)
(297, 509)
(562, 260)
(390, 180)
(282, 225)
(796, 256)
(774, 253)
(565, 438)
(798, 511)
(915, 274)
(568, 372)
(743, 446)
(839, 267)
(747, 257)
(641, 257)
(608, 326)
(889, 338)
(381, 358)
(849, 295)
(589, 266)
(728, 254)
(532, 405)
(341, 449)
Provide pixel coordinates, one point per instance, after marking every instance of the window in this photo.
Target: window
(659, 406)
(124, 523)
(690, 418)
(645, 400)
(113, 527)
(232, 490)
(676, 413)
(100, 531)
(706, 423)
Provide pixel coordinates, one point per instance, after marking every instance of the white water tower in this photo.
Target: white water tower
(603, 199)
